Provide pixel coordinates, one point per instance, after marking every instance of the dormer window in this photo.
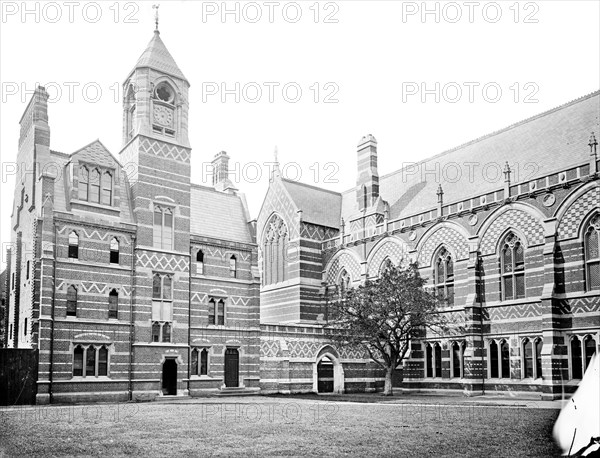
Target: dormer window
(95, 185)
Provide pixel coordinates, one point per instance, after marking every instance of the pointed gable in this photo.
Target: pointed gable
(95, 153)
(158, 57)
(319, 206)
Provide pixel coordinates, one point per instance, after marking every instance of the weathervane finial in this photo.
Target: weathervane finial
(155, 7)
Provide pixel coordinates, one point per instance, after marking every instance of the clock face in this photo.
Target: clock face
(163, 116)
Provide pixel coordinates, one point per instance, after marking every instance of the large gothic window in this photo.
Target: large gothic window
(444, 276)
(512, 268)
(163, 228)
(275, 251)
(95, 185)
(592, 254)
(162, 307)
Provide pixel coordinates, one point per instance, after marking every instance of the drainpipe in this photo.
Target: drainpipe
(51, 371)
(189, 321)
(480, 280)
(132, 286)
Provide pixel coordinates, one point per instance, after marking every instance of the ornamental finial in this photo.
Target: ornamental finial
(155, 8)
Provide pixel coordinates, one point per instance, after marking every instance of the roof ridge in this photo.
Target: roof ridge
(311, 186)
(211, 189)
(497, 132)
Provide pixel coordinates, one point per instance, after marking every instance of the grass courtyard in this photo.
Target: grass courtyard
(274, 426)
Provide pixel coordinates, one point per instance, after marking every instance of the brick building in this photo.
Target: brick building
(124, 276)
(505, 227)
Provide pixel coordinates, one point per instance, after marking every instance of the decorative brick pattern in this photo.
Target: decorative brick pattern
(164, 262)
(393, 250)
(311, 231)
(165, 150)
(571, 220)
(511, 312)
(277, 200)
(269, 348)
(518, 219)
(343, 261)
(447, 236)
(303, 349)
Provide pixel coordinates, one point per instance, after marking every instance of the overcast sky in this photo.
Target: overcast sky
(369, 60)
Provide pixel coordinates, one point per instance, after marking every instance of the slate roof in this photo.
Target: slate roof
(319, 206)
(218, 215)
(546, 143)
(158, 57)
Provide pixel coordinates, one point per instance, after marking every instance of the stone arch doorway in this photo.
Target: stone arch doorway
(325, 376)
(232, 367)
(328, 373)
(169, 377)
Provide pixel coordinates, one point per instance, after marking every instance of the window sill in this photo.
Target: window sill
(94, 205)
(202, 377)
(90, 378)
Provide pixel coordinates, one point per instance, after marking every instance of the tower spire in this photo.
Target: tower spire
(155, 8)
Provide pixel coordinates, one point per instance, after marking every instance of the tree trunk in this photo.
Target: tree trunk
(387, 389)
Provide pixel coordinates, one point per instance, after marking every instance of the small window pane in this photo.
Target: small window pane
(103, 361)
(156, 287)
(507, 259)
(82, 187)
(113, 304)
(528, 358)
(155, 332)
(211, 311)
(576, 369)
(167, 293)
(428, 361)
(505, 356)
(520, 286)
(200, 256)
(114, 251)
(78, 361)
(73, 245)
(166, 332)
(221, 313)
(519, 255)
(107, 188)
(590, 350)
(594, 275)
(94, 186)
(593, 250)
(493, 359)
(204, 362)
(194, 362)
(538, 358)
(438, 360)
(508, 288)
(455, 360)
(90, 365)
(71, 301)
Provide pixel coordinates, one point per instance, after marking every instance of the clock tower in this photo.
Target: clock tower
(156, 158)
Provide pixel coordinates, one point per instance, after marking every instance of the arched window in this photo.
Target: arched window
(385, 265)
(592, 254)
(204, 362)
(233, 266)
(512, 268)
(194, 362)
(493, 359)
(457, 360)
(166, 332)
(538, 358)
(167, 288)
(103, 361)
(589, 348)
(437, 354)
(221, 312)
(156, 331)
(444, 276)
(71, 301)
(200, 262)
(73, 245)
(94, 195)
(576, 362)
(275, 248)
(113, 304)
(84, 179)
(428, 361)
(90, 361)
(211, 311)
(162, 235)
(505, 359)
(114, 251)
(527, 348)
(78, 361)
(107, 186)
(156, 287)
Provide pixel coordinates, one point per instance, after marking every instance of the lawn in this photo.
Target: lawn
(264, 426)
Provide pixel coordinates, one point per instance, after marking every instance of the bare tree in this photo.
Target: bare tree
(382, 316)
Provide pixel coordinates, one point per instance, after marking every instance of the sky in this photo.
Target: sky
(310, 78)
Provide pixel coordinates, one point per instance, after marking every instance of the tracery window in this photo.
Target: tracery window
(512, 268)
(444, 276)
(592, 254)
(199, 361)
(275, 252)
(531, 358)
(90, 360)
(162, 307)
(95, 185)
